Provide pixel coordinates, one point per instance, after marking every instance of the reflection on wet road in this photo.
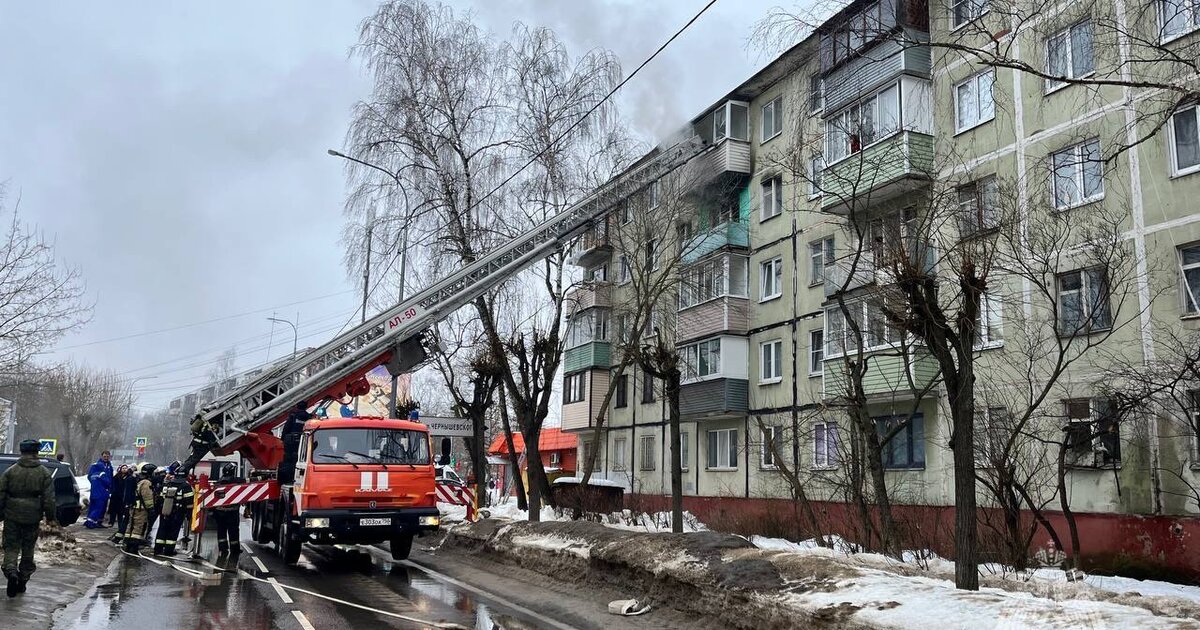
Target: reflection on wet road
(137, 593)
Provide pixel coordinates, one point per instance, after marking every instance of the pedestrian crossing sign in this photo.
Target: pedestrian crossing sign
(47, 447)
(139, 442)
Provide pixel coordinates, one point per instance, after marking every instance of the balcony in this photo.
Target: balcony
(886, 377)
(593, 248)
(581, 415)
(726, 314)
(594, 354)
(891, 167)
(714, 399)
(589, 295)
(728, 234)
(839, 279)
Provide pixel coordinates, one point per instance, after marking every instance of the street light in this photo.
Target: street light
(295, 336)
(403, 252)
(129, 424)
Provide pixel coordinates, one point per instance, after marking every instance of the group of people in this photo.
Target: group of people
(136, 498)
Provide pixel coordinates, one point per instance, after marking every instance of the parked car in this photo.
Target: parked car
(446, 476)
(66, 490)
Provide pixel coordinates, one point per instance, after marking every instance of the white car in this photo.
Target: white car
(446, 475)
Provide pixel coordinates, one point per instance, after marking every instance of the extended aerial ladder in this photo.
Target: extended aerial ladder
(245, 417)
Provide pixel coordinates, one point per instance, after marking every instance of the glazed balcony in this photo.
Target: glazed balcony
(589, 294)
(593, 354)
(582, 414)
(714, 399)
(887, 375)
(727, 234)
(896, 165)
(725, 314)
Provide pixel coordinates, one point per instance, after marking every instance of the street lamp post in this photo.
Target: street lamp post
(403, 255)
(295, 336)
(129, 424)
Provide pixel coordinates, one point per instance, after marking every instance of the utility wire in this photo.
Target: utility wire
(559, 138)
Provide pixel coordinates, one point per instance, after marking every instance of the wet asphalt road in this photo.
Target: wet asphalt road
(139, 594)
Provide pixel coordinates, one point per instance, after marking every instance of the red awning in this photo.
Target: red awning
(549, 440)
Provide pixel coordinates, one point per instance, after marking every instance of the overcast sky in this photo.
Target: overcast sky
(176, 153)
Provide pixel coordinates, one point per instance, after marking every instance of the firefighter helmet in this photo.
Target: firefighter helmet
(147, 469)
(229, 470)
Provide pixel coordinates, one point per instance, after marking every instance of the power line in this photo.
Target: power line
(201, 323)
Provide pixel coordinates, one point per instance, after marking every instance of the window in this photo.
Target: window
(652, 194)
(647, 388)
(555, 459)
(573, 387)
(1194, 418)
(816, 93)
(619, 453)
(653, 254)
(646, 454)
(963, 11)
(584, 449)
(862, 124)
(625, 214)
(708, 280)
(772, 197)
(683, 449)
(1083, 302)
(820, 254)
(978, 206)
(1093, 433)
(907, 448)
(1189, 265)
(1178, 17)
(974, 103)
(770, 367)
(722, 449)
(992, 428)
(621, 392)
(989, 325)
(816, 352)
(732, 120)
(854, 34)
(770, 444)
(586, 327)
(701, 359)
(816, 164)
(623, 328)
(1185, 141)
(772, 119)
(1069, 55)
(626, 272)
(770, 274)
(825, 445)
(1078, 174)
(597, 274)
(870, 325)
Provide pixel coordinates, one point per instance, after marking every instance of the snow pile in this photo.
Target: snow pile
(833, 545)
(57, 546)
(605, 483)
(452, 513)
(509, 511)
(657, 522)
(558, 544)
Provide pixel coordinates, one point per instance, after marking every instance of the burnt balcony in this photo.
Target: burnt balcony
(593, 247)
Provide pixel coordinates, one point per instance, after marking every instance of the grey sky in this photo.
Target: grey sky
(176, 152)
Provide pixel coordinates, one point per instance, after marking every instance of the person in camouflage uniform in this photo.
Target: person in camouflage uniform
(26, 494)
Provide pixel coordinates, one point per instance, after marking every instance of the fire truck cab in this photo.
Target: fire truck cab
(359, 480)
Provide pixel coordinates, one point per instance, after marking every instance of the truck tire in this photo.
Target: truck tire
(289, 545)
(400, 546)
(258, 526)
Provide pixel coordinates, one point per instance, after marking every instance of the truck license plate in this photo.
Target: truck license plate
(374, 521)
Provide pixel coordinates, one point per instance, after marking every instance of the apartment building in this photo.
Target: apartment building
(839, 145)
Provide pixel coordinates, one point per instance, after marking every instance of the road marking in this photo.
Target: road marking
(482, 593)
(287, 599)
(261, 567)
(303, 620)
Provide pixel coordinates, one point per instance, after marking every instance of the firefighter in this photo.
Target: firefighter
(122, 495)
(175, 506)
(156, 485)
(204, 438)
(293, 427)
(228, 536)
(139, 514)
(26, 495)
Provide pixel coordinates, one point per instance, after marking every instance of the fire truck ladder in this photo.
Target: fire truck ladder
(395, 336)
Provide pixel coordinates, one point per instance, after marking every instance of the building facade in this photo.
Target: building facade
(863, 140)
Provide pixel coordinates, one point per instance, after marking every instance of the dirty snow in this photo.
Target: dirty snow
(657, 522)
(452, 513)
(57, 546)
(557, 544)
(591, 482)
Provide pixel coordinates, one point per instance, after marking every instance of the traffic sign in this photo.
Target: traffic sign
(139, 442)
(450, 427)
(47, 447)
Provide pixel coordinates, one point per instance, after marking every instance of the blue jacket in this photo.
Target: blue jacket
(100, 475)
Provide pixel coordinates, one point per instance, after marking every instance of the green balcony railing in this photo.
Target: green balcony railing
(595, 354)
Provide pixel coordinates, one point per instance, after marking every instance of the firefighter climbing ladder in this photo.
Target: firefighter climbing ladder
(395, 336)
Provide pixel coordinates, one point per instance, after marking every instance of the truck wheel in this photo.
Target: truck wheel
(289, 545)
(401, 545)
(258, 528)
